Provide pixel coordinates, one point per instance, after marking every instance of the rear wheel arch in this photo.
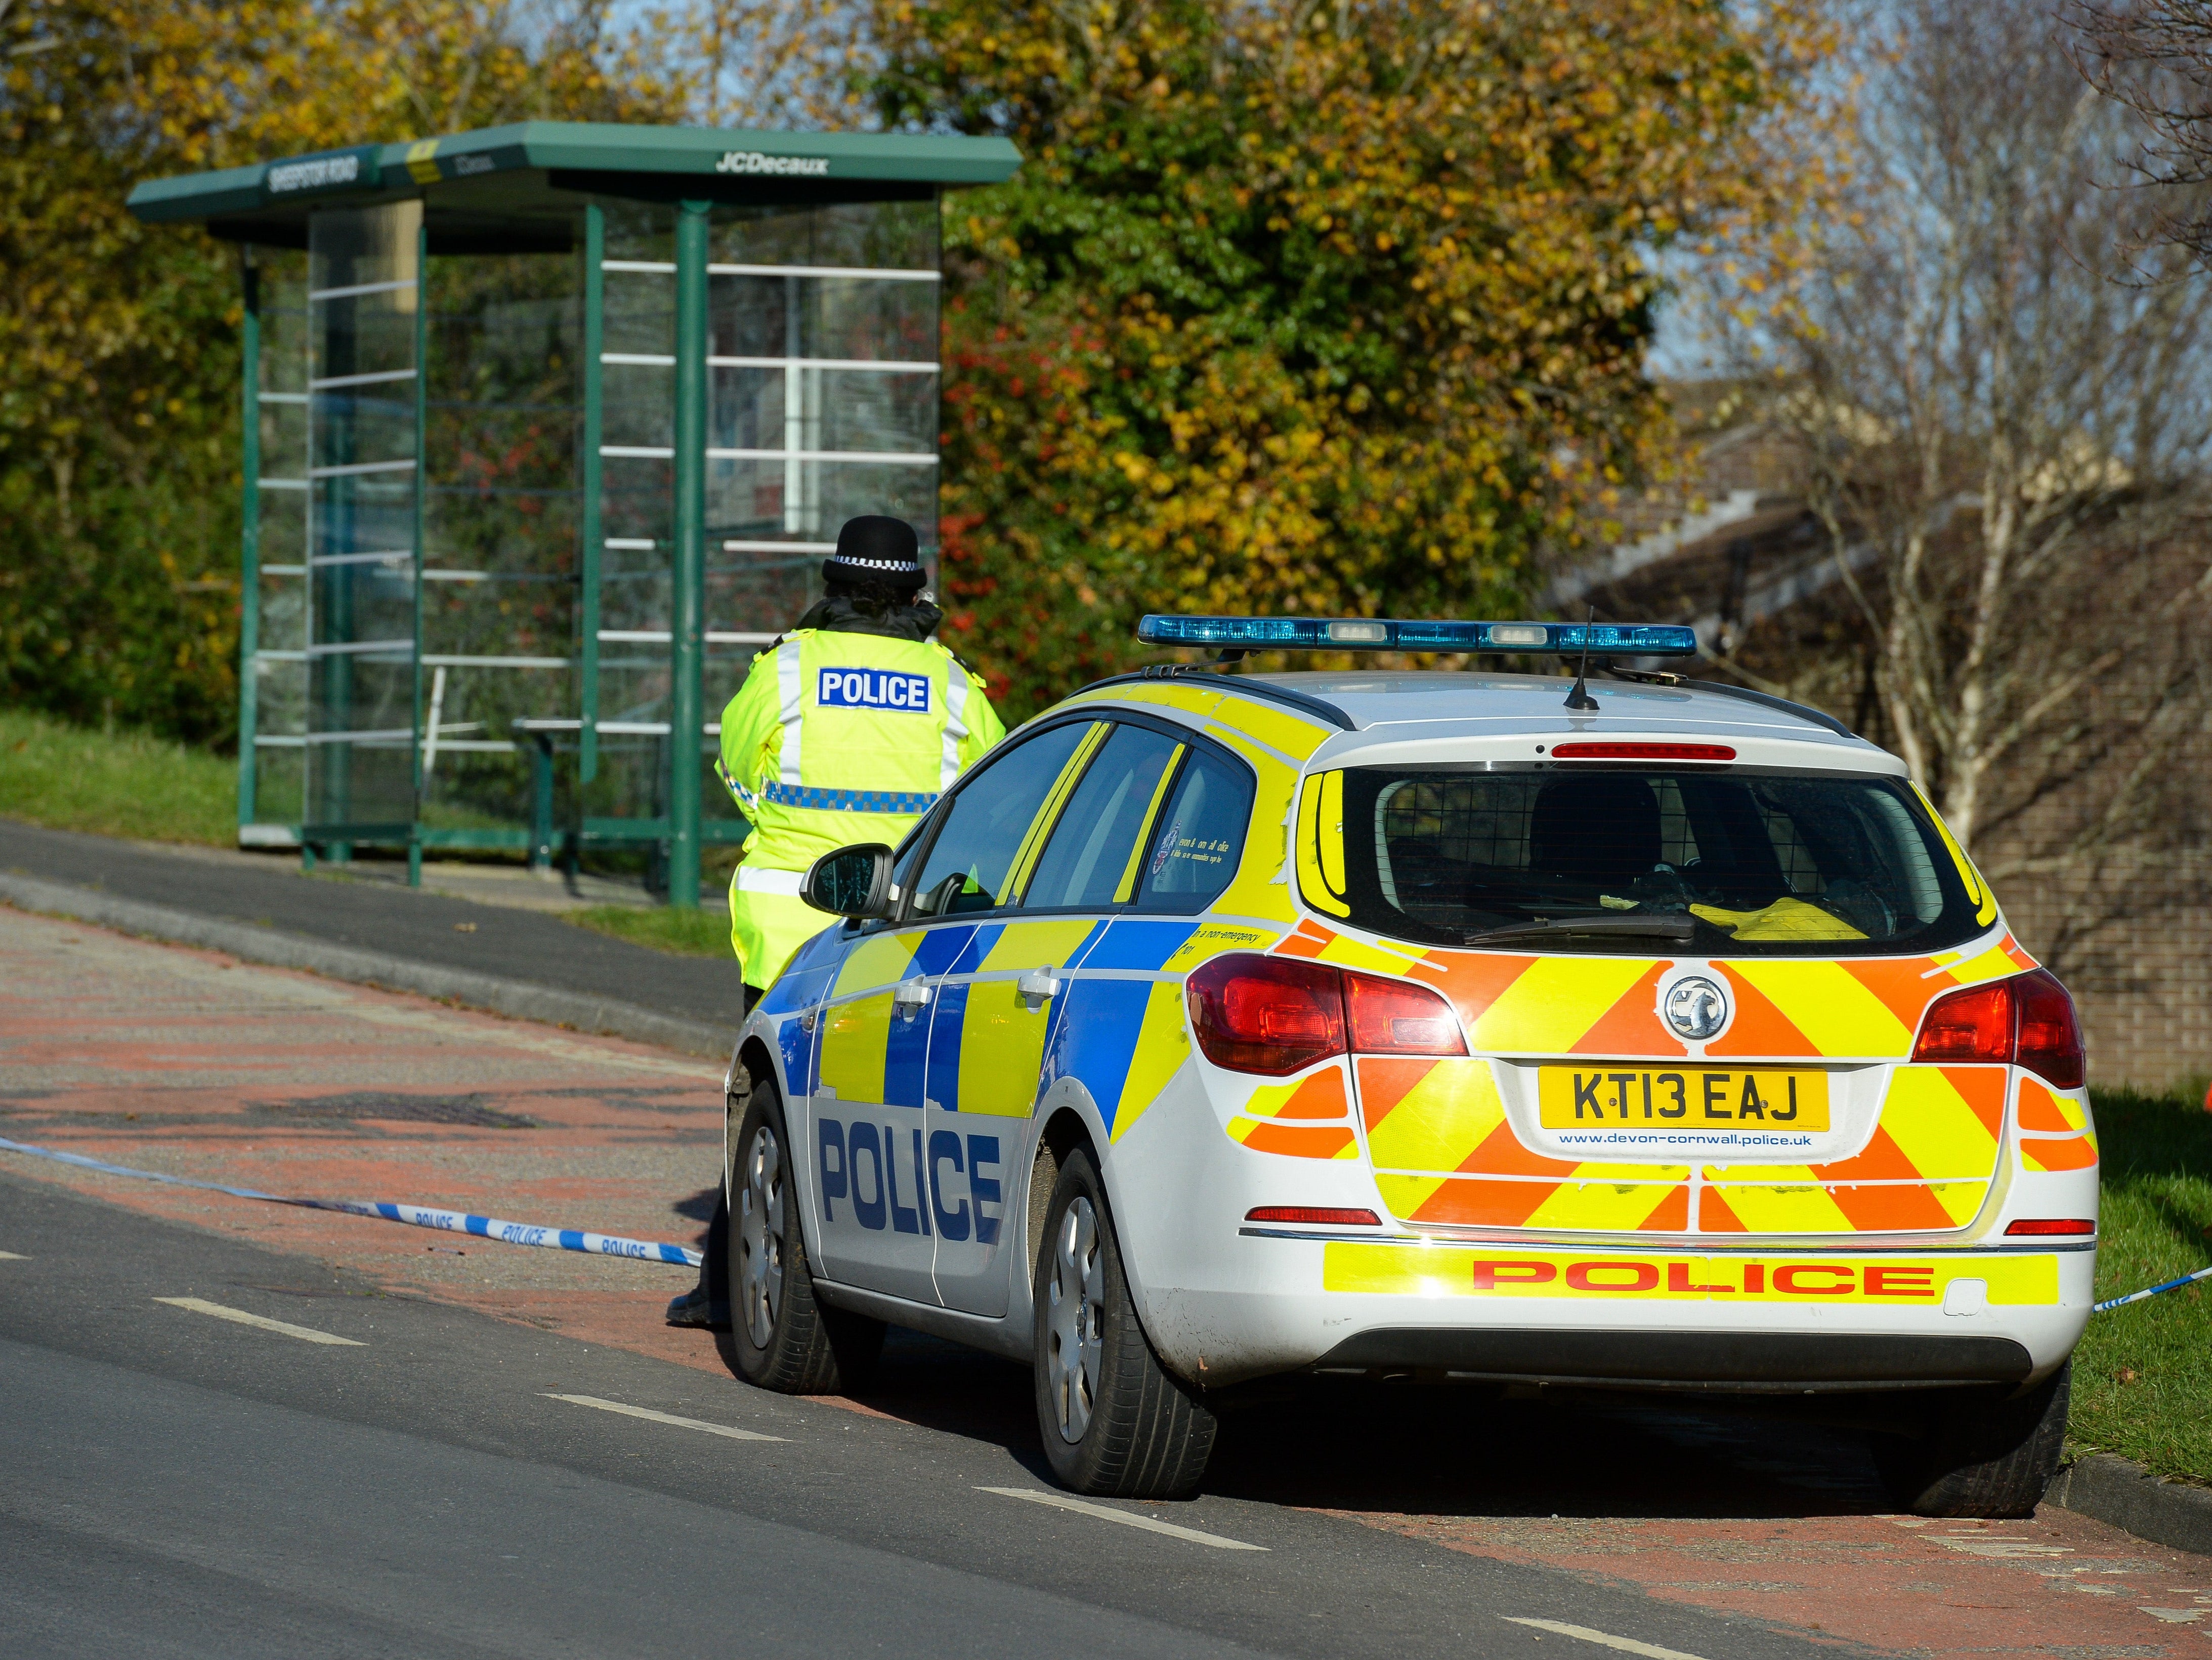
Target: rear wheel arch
(1065, 1130)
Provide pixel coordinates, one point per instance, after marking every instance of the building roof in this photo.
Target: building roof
(518, 187)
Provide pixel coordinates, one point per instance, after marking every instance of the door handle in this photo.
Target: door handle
(1035, 987)
(908, 996)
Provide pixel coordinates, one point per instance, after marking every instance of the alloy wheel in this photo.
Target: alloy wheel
(761, 1222)
(1074, 1318)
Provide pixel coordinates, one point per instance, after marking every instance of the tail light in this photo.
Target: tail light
(1266, 1014)
(2037, 1225)
(1314, 1216)
(2050, 1035)
(2027, 1021)
(1391, 1018)
(1275, 1015)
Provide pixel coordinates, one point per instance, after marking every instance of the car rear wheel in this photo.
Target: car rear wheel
(1979, 1458)
(1116, 1422)
(782, 1338)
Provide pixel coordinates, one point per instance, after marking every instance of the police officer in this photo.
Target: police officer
(846, 730)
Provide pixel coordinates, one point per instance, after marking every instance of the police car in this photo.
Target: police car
(1218, 1026)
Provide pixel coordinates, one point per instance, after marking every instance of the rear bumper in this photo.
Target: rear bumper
(1718, 1362)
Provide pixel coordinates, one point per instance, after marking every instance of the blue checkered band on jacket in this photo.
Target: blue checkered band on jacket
(807, 795)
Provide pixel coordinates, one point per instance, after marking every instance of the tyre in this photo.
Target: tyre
(1978, 1457)
(1115, 1423)
(781, 1337)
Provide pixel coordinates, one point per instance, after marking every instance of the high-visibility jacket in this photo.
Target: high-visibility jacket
(837, 738)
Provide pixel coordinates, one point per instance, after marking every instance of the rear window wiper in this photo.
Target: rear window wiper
(1679, 927)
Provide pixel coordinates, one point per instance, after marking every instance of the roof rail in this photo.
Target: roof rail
(1304, 702)
(1802, 711)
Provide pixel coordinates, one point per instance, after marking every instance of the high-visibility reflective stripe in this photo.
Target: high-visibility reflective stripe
(828, 800)
(1126, 889)
(791, 688)
(956, 727)
(1026, 856)
(752, 879)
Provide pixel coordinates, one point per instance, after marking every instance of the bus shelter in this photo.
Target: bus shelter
(547, 428)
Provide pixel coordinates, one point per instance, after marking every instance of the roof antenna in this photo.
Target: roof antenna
(1579, 698)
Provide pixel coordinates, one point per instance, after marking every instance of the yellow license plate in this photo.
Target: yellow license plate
(1752, 1097)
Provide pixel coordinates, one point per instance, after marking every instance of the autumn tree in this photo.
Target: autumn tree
(2002, 386)
(1325, 308)
(119, 342)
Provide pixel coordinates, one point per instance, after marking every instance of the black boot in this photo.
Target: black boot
(707, 1305)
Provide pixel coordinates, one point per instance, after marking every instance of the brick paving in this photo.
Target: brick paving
(183, 1062)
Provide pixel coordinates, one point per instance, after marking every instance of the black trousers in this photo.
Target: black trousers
(714, 1272)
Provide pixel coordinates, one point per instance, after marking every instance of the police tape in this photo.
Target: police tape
(419, 1216)
(2150, 1291)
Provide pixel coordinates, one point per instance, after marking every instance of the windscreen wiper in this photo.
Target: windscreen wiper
(1679, 927)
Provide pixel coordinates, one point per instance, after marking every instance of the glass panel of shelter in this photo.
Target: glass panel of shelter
(821, 404)
(503, 403)
(637, 482)
(361, 390)
(279, 503)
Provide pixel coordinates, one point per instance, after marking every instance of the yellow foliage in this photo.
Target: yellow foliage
(1329, 308)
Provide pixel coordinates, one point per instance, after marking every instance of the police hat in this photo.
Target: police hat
(875, 548)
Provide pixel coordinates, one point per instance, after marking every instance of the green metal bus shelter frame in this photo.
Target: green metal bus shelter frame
(534, 187)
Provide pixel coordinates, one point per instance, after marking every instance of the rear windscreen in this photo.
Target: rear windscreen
(1740, 860)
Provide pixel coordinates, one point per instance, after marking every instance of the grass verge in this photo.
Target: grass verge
(2142, 1377)
(702, 933)
(123, 783)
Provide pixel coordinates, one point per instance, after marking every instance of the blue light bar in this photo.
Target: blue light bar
(1383, 634)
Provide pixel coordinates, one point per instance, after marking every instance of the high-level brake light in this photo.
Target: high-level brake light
(1386, 634)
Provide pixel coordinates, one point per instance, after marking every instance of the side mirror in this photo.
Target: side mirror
(854, 883)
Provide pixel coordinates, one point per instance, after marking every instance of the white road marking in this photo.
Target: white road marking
(1626, 1644)
(2174, 1616)
(306, 1335)
(12, 1256)
(1128, 1519)
(663, 1417)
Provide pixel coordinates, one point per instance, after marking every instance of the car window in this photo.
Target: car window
(1199, 837)
(1092, 856)
(1744, 859)
(990, 821)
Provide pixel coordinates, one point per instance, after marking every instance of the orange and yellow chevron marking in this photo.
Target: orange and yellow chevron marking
(1320, 1095)
(1758, 1028)
(1904, 985)
(1908, 1208)
(1927, 1167)
(1553, 1003)
(1427, 1115)
(2041, 1110)
(1838, 1012)
(1294, 1140)
(1946, 1120)
(1646, 1207)
(2055, 1134)
(1431, 1269)
(2057, 1153)
(1631, 1026)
